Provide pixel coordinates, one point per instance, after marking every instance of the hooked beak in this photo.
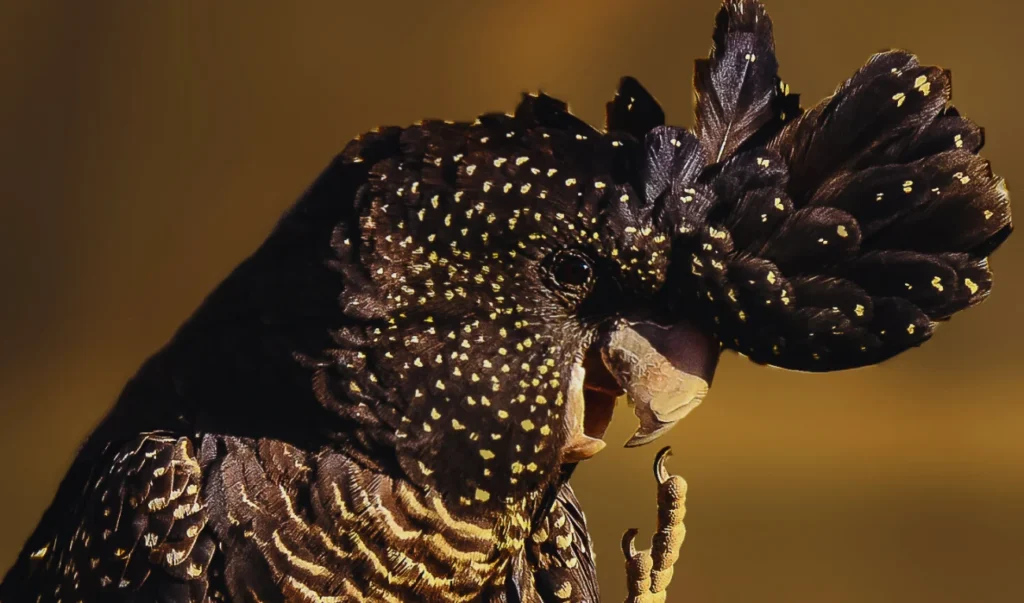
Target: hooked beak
(664, 371)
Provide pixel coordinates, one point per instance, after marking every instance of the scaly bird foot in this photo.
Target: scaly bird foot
(648, 572)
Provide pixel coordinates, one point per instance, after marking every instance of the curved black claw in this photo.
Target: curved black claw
(660, 472)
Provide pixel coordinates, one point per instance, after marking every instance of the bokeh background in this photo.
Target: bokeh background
(146, 148)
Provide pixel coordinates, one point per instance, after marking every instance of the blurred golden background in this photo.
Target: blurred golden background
(133, 136)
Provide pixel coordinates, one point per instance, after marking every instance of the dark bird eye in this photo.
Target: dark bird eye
(571, 270)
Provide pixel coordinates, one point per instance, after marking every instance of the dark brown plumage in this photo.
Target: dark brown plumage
(386, 401)
(860, 224)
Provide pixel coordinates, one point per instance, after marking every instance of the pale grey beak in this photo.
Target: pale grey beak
(665, 371)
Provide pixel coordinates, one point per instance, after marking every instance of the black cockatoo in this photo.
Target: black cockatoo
(385, 401)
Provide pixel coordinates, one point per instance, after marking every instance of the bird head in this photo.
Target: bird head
(508, 280)
(505, 280)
